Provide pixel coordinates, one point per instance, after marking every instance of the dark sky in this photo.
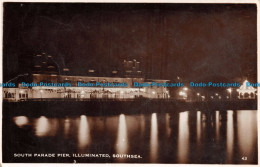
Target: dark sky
(193, 41)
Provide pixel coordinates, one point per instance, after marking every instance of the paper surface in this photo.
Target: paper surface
(148, 83)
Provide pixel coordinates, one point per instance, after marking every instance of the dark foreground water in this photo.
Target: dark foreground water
(178, 137)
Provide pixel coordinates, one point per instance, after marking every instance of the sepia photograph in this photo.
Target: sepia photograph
(145, 83)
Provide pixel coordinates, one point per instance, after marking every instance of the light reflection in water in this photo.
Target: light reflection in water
(168, 128)
(154, 138)
(230, 136)
(217, 126)
(203, 119)
(183, 137)
(142, 124)
(66, 127)
(20, 121)
(198, 126)
(46, 126)
(247, 133)
(239, 135)
(84, 138)
(42, 126)
(122, 141)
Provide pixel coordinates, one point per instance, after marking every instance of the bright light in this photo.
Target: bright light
(198, 94)
(185, 89)
(230, 135)
(247, 143)
(246, 89)
(21, 91)
(121, 145)
(153, 92)
(41, 91)
(203, 97)
(198, 126)
(21, 121)
(84, 138)
(183, 137)
(42, 127)
(229, 90)
(154, 138)
(217, 126)
(212, 97)
(216, 94)
(184, 94)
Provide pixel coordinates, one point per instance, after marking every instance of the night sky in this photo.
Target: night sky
(197, 42)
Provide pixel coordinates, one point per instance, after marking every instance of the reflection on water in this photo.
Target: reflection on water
(142, 124)
(42, 126)
(230, 136)
(66, 127)
(122, 141)
(203, 122)
(21, 121)
(217, 126)
(154, 138)
(247, 134)
(198, 126)
(178, 137)
(45, 126)
(83, 133)
(183, 137)
(168, 128)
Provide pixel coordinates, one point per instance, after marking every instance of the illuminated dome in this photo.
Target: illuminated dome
(246, 92)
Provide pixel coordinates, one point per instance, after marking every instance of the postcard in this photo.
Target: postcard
(138, 83)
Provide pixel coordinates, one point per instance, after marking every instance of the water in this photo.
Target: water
(179, 137)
